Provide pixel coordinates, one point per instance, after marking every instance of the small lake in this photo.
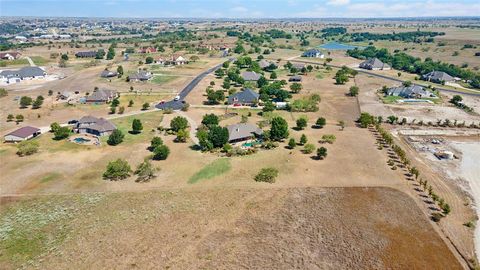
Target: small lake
(338, 46)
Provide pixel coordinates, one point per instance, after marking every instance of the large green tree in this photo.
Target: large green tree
(178, 123)
(279, 129)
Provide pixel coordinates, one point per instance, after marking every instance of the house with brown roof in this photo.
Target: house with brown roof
(101, 96)
(22, 134)
(243, 132)
(9, 55)
(148, 50)
(178, 60)
(95, 126)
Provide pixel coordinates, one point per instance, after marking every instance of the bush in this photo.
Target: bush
(145, 171)
(308, 148)
(320, 122)
(116, 137)
(156, 141)
(137, 126)
(329, 138)
(61, 133)
(161, 152)
(354, 91)
(178, 123)
(117, 170)
(301, 122)
(292, 143)
(26, 148)
(210, 120)
(322, 152)
(267, 175)
(182, 136)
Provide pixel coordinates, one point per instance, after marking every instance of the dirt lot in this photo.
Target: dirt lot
(300, 228)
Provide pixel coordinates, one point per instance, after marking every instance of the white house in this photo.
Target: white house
(22, 134)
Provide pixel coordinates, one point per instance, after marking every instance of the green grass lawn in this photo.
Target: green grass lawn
(160, 79)
(149, 121)
(39, 61)
(216, 168)
(391, 99)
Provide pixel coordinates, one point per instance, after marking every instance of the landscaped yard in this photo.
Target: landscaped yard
(216, 168)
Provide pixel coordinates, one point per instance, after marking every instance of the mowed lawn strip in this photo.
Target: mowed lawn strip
(216, 168)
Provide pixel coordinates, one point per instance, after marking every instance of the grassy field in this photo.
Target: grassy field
(162, 79)
(216, 168)
(150, 122)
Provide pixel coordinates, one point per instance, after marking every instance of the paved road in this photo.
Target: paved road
(178, 104)
(391, 78)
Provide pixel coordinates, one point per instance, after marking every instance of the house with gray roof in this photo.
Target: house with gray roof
(414, 91)
(95, 126)
(101, 96)
(316, 53)
(296, 78)
(247, 97)
(140, 76)
(264, 64)
(250, 76)
(23, 73)
(22, 134)
(88, 54)
(438, 77)
(242, 132)
(374, 64)
(108, 73)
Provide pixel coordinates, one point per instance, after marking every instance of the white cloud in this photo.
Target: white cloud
(239, 9)
(338, 2)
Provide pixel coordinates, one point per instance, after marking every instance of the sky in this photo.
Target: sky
(240, 8)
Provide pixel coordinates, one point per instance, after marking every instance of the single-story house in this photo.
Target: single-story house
(22, 134)
(10, 55)
(100, 96)
(108, 73)
(161, 61)
(21, 74)
(374, 64)
(178, 60)
(296, 78)
(148, 50)
(313, 53)
(265, 64)
(250, 76)
(298, 66)
(438, 77)
(242, 132)
(88, 54)
(247, 97)
(95, 126)
(414, 91)
(141, 75)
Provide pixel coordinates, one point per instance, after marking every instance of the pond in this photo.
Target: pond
(338, 46)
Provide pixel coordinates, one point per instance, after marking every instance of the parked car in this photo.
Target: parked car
(72, 122)
(177, 98)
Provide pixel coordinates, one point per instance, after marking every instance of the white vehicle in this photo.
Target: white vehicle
(177, 98)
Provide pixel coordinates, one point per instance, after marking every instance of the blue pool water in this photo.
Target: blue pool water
(81, 140)
(338, 46)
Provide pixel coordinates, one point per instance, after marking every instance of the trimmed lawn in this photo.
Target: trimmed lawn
(161, 79)
(150, 121)
(216, 168)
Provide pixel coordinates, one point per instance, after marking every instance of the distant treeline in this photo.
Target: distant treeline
(405, 62)
(275, 33)
(333, 31)
(403, 36)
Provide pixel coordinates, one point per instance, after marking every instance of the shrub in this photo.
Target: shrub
(329, 138)
(322, 152)
(137, 126)
(116, 137)
(156, 141)
(117, 170)
(303, 139)
(182, 136)
(292, 143)
(61, 133)
(308, 148)
(301, 122)
(320, 123)
(26, 148)
(145, 171)
(178, 123)
(210, 120)
(161, 152)
(267, 175)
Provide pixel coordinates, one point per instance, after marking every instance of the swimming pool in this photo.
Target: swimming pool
(338, 46)
(81, 140)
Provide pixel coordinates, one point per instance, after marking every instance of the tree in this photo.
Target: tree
(19, 118)
(210, 120)
(116, 137)
(354, 91)
(121, 110)
(115, 102)
(145, 171)
(295, 87)
(10, 118)
(392, 119)
(130, 103)
(148, 60)
(292, 143)
(182, 136)
(446, 209)
(215, 97)
(137, 126)
(161, 152)
(301, 123)
(365, 120)
(456, 99)
(26, 148)
(178, 123)
(61, 133)
(117, 170)
(145, 106)
(322, 152)
(219, 73)
(50, 92)
(320, 123)
(64, 57)
(303, 139)
(218, 136)
(203, 141)
(273, 75)
(267, 175)
(37, 103)
(155, 142)
(120, 70)
(262, 82)
(268, 106)
(407, 83)
(25, 101)
(279, 129)
(308, 148)
(194, 58)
